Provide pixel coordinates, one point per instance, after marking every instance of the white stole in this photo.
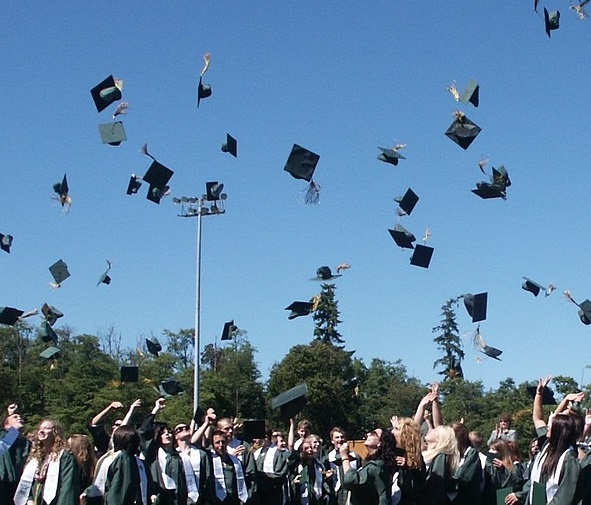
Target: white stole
(51, 479)
(24, 486)
(553, 481)
(268, 466)
(192, 468)
(220, 481)
(102, 467)
(168, 482)
(305, 498)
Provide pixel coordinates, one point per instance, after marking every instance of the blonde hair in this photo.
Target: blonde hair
(446, 444)
(410, 441)
(40, 452)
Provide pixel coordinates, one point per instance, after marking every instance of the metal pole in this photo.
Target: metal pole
(197, 310)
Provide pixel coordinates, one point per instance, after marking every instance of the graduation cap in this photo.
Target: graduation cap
(291, 402)
(47, 333)
(533, 287)
(213, 191)
(104, 278)
(585, 312)
(203, 91)
(551, 21)
(407, 202)
(50, 353)
(547, 395)
(106, 92)
(130, 374)
(299, 309)
(230, 146)
(476, 306)
(153, 346)
(325, 274)
(229, 330)
(486, 190)
(481, 345)
(253, 429)
(157, 177)
(135, 183)
(500, 177)
(10, 315)
(462, 131)
(170, 387)
(51, 314)
(470, 93)
(402, 237)
(59, 272)
(301, 164)
(6, 242)
(421, 256)
(62, 190)
(112, 133)
(391, 156)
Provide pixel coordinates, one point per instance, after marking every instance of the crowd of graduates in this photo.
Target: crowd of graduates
(415, 461)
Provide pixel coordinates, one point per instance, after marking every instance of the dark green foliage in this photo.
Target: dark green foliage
(326, 316)
(449, 343)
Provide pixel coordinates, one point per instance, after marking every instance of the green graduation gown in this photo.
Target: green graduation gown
(371, 484)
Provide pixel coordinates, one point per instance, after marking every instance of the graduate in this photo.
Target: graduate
(338, 437)
(229, 477)
(273, 463)
(12, 462)
(311, 484)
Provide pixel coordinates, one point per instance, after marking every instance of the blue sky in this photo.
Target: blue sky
(340, 79)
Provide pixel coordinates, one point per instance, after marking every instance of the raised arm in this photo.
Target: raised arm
(208, 420)
(100, 416)
(538, 409)
(419, 414)
(435, 407)
(291, 434)
(135, 405)
(565, 404)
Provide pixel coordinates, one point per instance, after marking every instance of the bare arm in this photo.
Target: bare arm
(419, 414)
(99, 417)
(291, 435)
(435, 407)
(538, 409)
(133, 406)
(203, 430)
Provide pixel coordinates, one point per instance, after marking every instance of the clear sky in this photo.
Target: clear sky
(339, 78)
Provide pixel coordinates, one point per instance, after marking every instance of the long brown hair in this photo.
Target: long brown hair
(83, 451)
(410, 442)
(564, 432)
(40, 452)
(500, 447)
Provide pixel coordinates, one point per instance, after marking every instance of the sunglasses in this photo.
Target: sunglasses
(178, 429)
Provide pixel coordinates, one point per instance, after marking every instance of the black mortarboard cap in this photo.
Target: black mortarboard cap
(213, 191)
(547, 395)
(10, 315)
(551, 21)
(105, 93)
(253, 429)
(112, 133)
(47, 333)
(585, 312)
(230, 146)
(104, 277)
(6, 242)
(470, 93)
(130, 374)
(229, 330)
(203, 91)
(135, 183)
(291, 402)
(59, 271)
(421, 256)
(402, 237)
(170, 387)
(408, 201)
(476, 306)
(62, 189)
(158, 175)
(500, 177)
(153, 346)
(50, 353)
(463, 131)
(301, 163)
(532, 287)
(491, 352)
(390, 156)
(325, 274)
(299, 309)
(486, 190)
(51, 314)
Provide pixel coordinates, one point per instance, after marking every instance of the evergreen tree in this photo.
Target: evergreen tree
(326, 316)
(448, 341)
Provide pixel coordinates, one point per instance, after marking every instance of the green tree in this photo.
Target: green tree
(326, 316)
(449, 343)
(181, 345)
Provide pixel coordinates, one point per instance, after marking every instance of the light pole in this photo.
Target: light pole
(209, 204)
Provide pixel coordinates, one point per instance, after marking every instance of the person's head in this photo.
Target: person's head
(14, 421)
(408, 438)
(304, 428)
(278, 438)
(49, 440)
(116, 424)
(476, 440)
(442, 440)
(225, 424)
(534, 448)
(564, 433)
(461, 432)
(338, 437)
(504, 421)
(381, 444)
(219, 442)
(182, 432)
(83, 451)
(315, 443)
(127, 439)
(500, 450)
(163, 435)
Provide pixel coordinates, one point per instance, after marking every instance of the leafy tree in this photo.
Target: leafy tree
(565, 385)
(181, 345)
(326, 316)
(449, 343)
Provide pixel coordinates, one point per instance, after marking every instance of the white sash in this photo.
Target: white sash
(317, 483)
(268, 466)
(220, 481)
(143, 480)
(191, 466)
(24, 486)
(98, 486)
(553, 481)
(168, 482)
(51, 479)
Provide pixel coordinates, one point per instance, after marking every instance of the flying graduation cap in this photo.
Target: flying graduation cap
(135, 183)
(476, 306)
(301, 164)
(470, 94)
(407, 202)
(51, 314)
(584, 308)
(299, 309)
(129, 373)
(578, 8)
(229, 330)
(153, 346)
(10, 316)
(47, 333)
(106, 92)
(462, 131)
(6, 242)
(157, 177)
(170, 387)
(112, 133)
(50, 353)
(105, 278)
(291, 402)
(497, 187)
(480, 345)
(63, 192)
(534, 288)
(551, 21)
(391, 156)
(324, 273)
(422, 254)
(230, 146)
(402, 237)
(204, 90)
(59, 272)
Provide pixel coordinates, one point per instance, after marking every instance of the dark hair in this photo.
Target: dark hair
(505, 417)
(462, 436)
(564, 432)
(160, 428)
(386, 450)
(126, 438)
